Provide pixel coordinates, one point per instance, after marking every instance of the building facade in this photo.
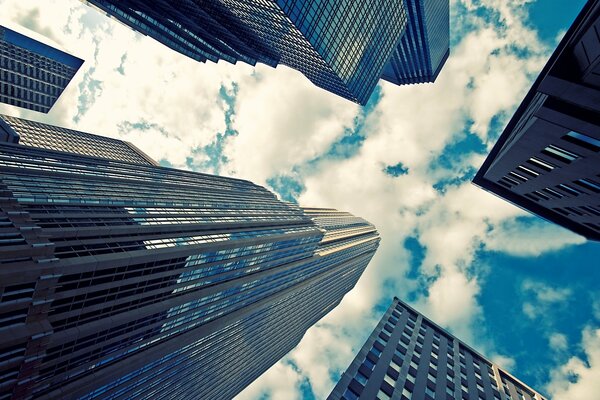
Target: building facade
(409, 357)
(32, 74)
(547, 160)
(122, 279)
(342, 46)
(424, 46)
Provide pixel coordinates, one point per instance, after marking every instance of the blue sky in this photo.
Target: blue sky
(520, 290)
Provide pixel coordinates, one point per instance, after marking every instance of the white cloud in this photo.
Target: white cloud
(544, 299)
(280, 382)
(579, 378)
(530, 238)
(558, 342)
(505, 362)
(283, 120)
(169, 106)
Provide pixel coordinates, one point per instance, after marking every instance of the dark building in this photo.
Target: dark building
(409, 357)
(122, 279)
(425, 45)
(32, 74)
(341, 46)
(547, 160)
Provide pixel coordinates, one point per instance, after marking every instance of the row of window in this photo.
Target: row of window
(523, 173)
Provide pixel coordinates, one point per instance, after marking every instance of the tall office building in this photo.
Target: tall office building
(32, 74)
(122, 279)
(425, 45)
(409, 357)
(547, 160)
(341, 46)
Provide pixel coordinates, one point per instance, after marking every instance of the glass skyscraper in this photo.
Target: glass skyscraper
(425, 45)
(340, 45)
(547, 160)
(32, 74)
(409, 357)
(122, 279)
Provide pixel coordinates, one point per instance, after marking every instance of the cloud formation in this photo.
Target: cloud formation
(579, 377)
(263, 123)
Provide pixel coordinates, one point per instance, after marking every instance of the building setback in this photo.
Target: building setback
(341, 46)
(122, 279)
(547, 160)
(409, 357)
(32, 74)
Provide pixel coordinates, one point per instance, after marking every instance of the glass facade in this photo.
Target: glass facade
(424, 47)
(340, 45)
(547, 159)
(121, 278)
(36, 134)
(32, 75)
(409, 357)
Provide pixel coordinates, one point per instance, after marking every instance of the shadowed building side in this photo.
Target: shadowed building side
(33, 75)
(409, 357)
(547, 160)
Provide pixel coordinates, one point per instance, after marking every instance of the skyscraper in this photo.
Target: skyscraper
(123, 279)
(341, 46)
(409, 357)
(547, 160)
(32, 74)
(425, 45)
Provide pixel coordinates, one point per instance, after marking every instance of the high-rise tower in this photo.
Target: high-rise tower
(121, 279)
(32, 74)
(409, 357)
(425, 45)
(341, 46)
(547, 160)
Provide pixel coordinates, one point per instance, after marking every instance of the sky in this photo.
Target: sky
(520, 290)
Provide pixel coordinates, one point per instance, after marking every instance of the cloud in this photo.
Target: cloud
(289, 119)
(579, 377)
(489, 71)
(530, 237)
(558, 342)
(281, 381)
(273, 125)
(542, 299)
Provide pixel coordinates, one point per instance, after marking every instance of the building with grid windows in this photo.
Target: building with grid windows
(32, 74)
(409, 357)
(341, 46)
(122, 279)
(424, 46)
(547, 160)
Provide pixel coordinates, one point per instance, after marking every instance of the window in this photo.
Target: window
(390, 380)
(528, 171)
(558, 153)
(546, 166)
(568, 189)
(361, 378)
(382, 395)
(368, 363)
(407, 393)
(430, 392)
(350, 395)
(395, 366)
(583, 141)
(589, 185)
